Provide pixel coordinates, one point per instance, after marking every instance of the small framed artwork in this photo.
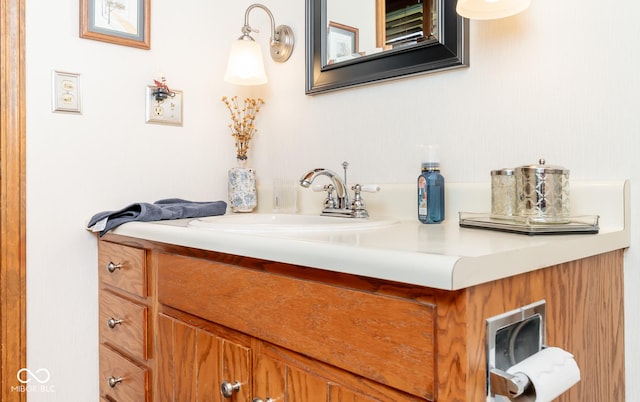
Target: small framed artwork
(342, 42)
(122, 22)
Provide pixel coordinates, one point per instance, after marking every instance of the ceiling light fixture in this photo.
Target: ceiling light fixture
(490, 9)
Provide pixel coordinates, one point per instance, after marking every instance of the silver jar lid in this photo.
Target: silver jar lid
(542, 167)
(503, 172)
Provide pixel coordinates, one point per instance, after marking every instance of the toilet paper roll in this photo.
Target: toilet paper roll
(552, 371)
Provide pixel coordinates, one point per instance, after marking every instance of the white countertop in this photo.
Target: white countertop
(442, 256)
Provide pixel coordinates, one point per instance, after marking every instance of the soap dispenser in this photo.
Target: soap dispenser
(430, 188)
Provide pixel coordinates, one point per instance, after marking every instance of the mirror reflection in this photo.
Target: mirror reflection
(358, 42)
(358, 28)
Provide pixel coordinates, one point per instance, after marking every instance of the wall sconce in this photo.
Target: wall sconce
(246, 66)
(490, 9)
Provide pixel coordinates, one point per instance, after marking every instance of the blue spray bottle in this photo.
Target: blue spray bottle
(430, 188)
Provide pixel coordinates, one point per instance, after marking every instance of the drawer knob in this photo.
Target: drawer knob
(113, 381)
(112, 322)
(227, 389)
(111, 267)
(262, 400)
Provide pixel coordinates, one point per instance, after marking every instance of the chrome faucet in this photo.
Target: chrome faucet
(342, 200)
(339, 205)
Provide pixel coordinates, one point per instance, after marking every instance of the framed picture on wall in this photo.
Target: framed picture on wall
(342, 42)
(122, 22)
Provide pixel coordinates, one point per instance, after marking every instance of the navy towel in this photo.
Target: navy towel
(171, 208)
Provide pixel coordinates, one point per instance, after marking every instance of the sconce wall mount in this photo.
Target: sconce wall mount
(281, 41)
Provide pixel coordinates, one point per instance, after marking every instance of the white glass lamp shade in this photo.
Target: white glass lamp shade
(246, 65)
(490, 9)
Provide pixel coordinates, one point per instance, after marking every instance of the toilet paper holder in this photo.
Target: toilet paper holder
(511, 337)
(509, 385)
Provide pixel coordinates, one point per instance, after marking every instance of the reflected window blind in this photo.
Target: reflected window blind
(404, 25)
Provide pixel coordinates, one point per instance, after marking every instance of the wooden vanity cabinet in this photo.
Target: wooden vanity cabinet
(296, 334)
(197, 357)
(291, 337)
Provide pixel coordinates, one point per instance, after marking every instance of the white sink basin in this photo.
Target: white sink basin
(270, 223)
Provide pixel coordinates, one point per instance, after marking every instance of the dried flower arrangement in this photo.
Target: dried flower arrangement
(242, 127)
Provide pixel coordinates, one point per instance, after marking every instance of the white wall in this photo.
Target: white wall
(360, 14)
(558, 81)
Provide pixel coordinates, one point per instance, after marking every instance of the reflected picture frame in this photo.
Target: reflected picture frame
(120, 22)
(342, 41)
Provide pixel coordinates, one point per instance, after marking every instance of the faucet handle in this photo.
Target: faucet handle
(330, 201)
(358, 205)
(368, 188)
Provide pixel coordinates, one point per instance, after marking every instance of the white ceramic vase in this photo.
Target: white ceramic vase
(242, 188)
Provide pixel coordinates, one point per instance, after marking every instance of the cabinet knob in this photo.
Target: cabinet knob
(227, 389)
(113, 381)
(262, 400)
(112, 267)
(112, 322)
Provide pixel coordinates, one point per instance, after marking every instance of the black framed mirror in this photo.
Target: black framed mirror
(443, 48)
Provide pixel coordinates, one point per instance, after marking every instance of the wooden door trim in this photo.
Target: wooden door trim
(12, 199)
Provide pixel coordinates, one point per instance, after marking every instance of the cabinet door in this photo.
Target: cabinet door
(193, 363)
(278, 381)
(282, 382)
(305, 386)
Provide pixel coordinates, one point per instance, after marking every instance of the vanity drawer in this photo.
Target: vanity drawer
(123, 324)
(387, 339)
(122, 267)
(130, 382)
